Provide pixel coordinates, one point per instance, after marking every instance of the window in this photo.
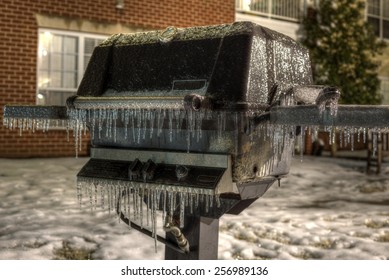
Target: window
(62, 59)
(279, 9)
(378, 17)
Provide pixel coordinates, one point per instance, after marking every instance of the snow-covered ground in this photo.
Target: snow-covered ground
(324, 209)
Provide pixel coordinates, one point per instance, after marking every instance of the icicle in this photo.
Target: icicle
(160, 119)
(210, 197)
(109, 194)
(145, 118)
(79, 194)
(102, 195)
(128, 194)
(182, 210)
(152, 121)
(123, 198)
(126, 116)
(364, 135)
(218, 203)
(90, 197)
(141, 206)
(188, 128)
(375, 142)
(132, 114)
(170, 114)
(108, 124)
(137, 203)
(115, 116)
(148, 204)
(302, 147)
(197, 200)
(75, 132)
(174, 204)
(177, 116)
(191, 203)
(352, 138)
(155, 203)
(96, 192)
(118, 200)
(164, 202)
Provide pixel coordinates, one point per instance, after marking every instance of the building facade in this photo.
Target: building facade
(46, 44)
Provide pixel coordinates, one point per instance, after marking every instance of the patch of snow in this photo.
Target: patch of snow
(325, 209)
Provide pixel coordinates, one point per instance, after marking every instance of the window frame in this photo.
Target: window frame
(379, 17)
(80, 65)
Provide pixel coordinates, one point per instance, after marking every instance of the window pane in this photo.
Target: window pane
(373, 7)
(44, 40)
(375, 24)
(70, 63)
(56, 62)
(70, 45)
(385, 11)
(43, 80)
(43, 61)
(56, 46)
(385, 29)
(55, 79)
(284, 8)
(259, 6)
(86, 61)
(69, 80)
(89, 46)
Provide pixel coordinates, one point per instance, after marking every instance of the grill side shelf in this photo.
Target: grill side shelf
(102, 170)
(345, 115)
(35, 112)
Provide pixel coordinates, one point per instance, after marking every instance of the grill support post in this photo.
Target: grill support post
(203, 238)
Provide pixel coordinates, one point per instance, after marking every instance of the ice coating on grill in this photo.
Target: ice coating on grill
(230, 63)
(134, 90)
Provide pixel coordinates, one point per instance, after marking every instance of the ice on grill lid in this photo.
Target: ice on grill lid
(233, 64)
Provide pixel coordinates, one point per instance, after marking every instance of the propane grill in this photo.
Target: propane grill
(190, 124)
(179, 112)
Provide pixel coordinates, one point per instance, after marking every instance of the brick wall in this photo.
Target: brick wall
(18, 51)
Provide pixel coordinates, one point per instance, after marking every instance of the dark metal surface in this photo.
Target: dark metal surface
(164, 174)
(232, 64)
(203, 236)
(35, 112)
(347, 115)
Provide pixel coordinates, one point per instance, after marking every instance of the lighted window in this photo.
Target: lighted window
(62, 59)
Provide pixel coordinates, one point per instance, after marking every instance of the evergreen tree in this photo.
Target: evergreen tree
(343, 49)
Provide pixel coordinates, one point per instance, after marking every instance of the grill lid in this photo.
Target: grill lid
(232, 64)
